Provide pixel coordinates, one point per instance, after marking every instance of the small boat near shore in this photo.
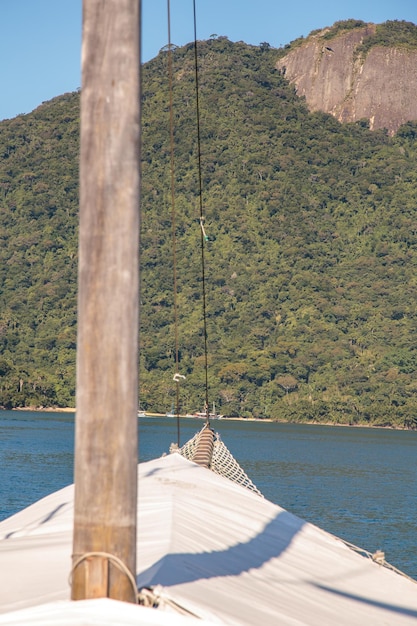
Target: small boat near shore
(212, 416)
(171, 413)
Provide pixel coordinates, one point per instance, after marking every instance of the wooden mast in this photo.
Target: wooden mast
(104, 544)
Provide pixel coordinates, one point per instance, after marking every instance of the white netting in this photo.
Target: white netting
(222, 461)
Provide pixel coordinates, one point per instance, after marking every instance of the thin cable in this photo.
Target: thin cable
(200, 193)
(173, 222)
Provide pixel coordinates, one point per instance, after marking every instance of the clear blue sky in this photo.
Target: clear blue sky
(40, 40)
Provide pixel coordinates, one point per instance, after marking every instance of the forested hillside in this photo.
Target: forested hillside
(38, 254)
(310, 263)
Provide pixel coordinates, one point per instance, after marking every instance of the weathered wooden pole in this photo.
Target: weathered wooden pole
(104, 545)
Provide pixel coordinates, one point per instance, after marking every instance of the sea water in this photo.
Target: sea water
(357, 483)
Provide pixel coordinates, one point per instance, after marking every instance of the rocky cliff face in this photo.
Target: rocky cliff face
(380, 86)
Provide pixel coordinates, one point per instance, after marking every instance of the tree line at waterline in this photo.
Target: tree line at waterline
(310, 263)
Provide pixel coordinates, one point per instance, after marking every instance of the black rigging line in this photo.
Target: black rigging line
(200, 193)
(177, 376)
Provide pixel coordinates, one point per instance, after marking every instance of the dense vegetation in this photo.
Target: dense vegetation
(310, 264)
(38, 254)
(337, 29)
(392, 33)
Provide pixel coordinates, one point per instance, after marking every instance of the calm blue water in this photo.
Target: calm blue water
(358, 483)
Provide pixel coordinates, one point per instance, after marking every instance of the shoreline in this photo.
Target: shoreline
(224, 419)
(41, 409)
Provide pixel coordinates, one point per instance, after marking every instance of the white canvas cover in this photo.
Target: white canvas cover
(216, 549)
(101, 612)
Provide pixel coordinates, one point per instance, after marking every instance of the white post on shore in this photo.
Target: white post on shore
(106, 441)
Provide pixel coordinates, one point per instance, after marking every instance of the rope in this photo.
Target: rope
(173, 221)
(153, 597)
(222, 461)
(204, 450)
(203, 234)
(377, 557)
(202, 229)
(204, 238)
(118, 563)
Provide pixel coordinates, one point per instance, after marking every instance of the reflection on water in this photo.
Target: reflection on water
(357, 483)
